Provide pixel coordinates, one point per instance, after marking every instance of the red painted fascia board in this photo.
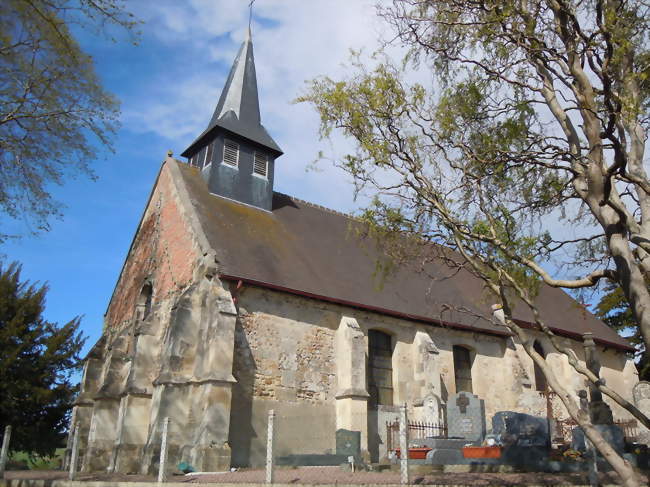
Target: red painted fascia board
(367, 307)
(424, 319)
(576, 336)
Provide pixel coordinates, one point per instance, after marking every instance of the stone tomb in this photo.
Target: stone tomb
(444, 451)
(612, 433)
(466, 417)
(518, 429)
(465, 426)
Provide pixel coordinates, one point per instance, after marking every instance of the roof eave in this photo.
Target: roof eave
(212, 131)
(422, 319)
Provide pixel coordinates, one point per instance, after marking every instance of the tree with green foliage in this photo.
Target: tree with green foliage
(37, 361)
(615, 311)
(525, 159)
(54, 113)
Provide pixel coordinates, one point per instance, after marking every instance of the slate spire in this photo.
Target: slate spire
(240, 92)
(238, 108)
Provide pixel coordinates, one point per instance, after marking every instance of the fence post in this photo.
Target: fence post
(269, 448)
(75, 453)
(163, 451)
(403, 445)
(5, 450)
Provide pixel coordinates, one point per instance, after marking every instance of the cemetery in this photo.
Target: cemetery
(514, 441)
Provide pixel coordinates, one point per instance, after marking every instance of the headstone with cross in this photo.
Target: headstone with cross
(466, 417)
(462, 402)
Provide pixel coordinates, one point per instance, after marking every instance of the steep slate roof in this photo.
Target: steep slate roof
(238, 109)
(308, 250)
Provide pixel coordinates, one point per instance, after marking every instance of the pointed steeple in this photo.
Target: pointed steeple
(235, 153)
(240, 92)
(238, 109)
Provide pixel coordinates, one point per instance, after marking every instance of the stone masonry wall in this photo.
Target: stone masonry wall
(285, 360)
(163, 251)
(133, 359)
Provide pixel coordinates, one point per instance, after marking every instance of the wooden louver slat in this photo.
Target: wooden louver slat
(231, 153)
(260, 164)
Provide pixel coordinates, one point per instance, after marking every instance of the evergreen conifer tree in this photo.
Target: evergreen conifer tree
(37, 361)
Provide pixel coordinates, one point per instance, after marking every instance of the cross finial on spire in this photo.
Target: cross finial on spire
(250, 14)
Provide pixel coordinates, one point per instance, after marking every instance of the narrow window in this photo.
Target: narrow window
(540, 379)
(462, 368)
(144, 301)
(260, 165)
(380, 368)
(208, 155)
(231, 153)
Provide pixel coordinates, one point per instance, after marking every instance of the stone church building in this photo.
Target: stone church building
(235, 299)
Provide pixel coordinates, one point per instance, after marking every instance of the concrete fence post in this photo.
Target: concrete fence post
(269, 448)
(4, 453)
(403, 446)
(163, 451)
(75, 453)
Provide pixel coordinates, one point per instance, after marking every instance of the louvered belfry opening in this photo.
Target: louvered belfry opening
(260, 165)
(231, 153)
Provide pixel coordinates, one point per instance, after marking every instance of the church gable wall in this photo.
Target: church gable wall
(164, 252)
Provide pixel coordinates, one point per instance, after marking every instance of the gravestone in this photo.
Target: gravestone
(611, 433)
(348, 443)
(432, 409)
(466, 417)
(520, 429)
(641, 395)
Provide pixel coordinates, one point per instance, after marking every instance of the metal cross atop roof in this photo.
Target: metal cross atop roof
(250, 13)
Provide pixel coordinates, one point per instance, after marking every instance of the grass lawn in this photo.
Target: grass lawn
(37, 462)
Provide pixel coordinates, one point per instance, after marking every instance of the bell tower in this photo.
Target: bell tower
(235, 153)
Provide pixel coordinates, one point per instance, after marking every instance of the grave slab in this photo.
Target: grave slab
(520, 429)
(613, 435)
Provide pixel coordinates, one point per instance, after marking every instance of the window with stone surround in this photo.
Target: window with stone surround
(463, 368)
(143, 307)
(380, 368)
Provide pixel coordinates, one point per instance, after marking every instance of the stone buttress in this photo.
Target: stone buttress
(168, 353)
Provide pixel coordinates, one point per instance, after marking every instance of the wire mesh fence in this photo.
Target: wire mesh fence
(305, 445)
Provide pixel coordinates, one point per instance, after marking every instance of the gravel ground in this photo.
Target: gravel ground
(334, 475)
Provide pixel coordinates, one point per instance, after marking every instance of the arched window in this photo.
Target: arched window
(462, 368)
(380, 368)
(540, 380)
(144, 301)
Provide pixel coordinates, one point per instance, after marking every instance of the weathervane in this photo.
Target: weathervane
(250, 13)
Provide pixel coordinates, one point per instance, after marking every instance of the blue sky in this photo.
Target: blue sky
(168, 86)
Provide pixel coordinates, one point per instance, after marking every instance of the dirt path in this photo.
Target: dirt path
(334, 475)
